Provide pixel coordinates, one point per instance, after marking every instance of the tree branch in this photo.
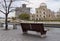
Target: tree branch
(2, 11)
(2, 5)
(9, 5)
(11, 10)
(5, 6)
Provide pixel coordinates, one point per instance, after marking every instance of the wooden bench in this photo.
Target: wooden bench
(38, 27)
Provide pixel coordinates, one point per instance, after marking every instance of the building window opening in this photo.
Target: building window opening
(40, 15)
(49, 15)
(37, 11)
(39, 18)
(43, 12)
(37, 15)
(40, 11)
(32, 16)
(43, 9)
(44, 16)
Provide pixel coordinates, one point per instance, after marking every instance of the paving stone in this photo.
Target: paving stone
(17, 35)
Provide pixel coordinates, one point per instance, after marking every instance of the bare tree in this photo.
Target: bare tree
(7, 9)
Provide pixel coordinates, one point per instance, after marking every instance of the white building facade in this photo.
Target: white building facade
(58, 15)
(43, 13)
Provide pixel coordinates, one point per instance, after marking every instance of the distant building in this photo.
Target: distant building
(23, 9)
(43, 13)
(58, 14)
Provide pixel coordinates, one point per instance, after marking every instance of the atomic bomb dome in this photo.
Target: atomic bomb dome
(43, 4)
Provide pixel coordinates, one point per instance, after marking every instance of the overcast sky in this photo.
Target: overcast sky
(54, 5)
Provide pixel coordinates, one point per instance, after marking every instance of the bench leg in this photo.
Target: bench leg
(43, 34)
(24, 31)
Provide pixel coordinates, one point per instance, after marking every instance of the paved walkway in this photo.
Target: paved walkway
(16, 35)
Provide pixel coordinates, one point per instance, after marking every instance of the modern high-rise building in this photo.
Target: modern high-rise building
(23, 9)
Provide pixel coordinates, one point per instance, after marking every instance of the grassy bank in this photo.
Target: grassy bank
(46, 20)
